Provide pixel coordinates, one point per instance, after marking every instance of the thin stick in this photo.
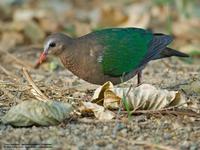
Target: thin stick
(166, 64)
(191, 114)
(31, 82)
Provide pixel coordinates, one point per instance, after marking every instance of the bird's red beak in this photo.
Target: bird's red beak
(42, 58)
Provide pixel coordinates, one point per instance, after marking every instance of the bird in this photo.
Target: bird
(110, 54)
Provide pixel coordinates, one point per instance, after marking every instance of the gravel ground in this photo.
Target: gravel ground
(140, 132)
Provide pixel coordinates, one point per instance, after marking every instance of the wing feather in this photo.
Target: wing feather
(124, 49)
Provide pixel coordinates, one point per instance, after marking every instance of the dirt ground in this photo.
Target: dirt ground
(24, 25)
(86, 132)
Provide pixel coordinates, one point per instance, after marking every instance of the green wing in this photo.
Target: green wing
(124, 49)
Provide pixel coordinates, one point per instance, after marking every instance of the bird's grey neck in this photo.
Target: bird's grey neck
(70, 59)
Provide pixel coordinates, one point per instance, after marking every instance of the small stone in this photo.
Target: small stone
(105, 128)
(141, 118)
(124, 132)
(167, 136)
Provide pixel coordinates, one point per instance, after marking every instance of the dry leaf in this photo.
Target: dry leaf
(34, 112)
(111, 100)
(144, 97)
(99, 111)
(99, 92)
(148, 97)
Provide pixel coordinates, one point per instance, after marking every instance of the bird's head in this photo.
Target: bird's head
(55, 45)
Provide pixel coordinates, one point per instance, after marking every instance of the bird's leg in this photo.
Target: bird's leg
(139, 78)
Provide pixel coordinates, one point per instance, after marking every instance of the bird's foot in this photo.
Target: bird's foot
(139, 78)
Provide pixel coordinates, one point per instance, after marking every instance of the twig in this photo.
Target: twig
(166, 64)
(31, 82)
(191, 114)
(145, 143)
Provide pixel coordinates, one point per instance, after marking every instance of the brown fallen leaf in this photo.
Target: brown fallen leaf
(99, 111)
(148, 97)
(99, 92)
(111, 100)
(144, 97)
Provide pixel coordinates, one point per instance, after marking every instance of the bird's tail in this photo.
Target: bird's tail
(168, 52)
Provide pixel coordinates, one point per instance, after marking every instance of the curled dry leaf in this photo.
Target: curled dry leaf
(144, 97)
(34, 112)
(99, 92)
(148, 97)
(111, 100)
(99, 111)
(105, 96)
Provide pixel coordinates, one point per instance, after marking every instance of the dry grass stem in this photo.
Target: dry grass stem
(31, 82)
(163, 112)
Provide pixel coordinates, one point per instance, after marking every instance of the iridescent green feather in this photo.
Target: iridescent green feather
(124, 49)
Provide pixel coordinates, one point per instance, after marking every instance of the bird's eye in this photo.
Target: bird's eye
(52, 44)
